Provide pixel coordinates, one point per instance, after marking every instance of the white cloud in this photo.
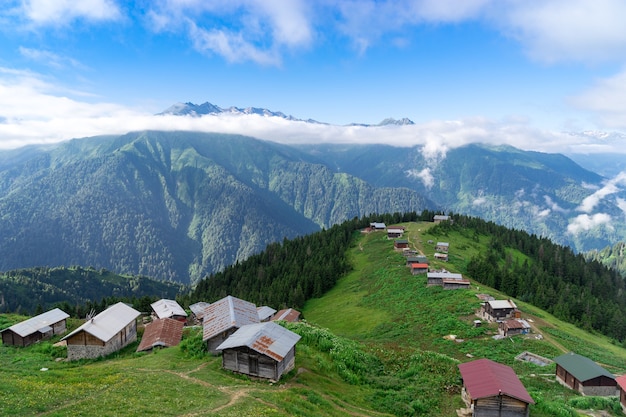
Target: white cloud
(61, 12)
(585, 222)
(610, 187)
(479, 201)
(424, 175)
(607, 98)
(621, 203)
(553, 205)
(49, 58)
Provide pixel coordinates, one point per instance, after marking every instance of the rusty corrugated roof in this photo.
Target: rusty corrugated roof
(485, 378)
(227, 313)
(288, 314)
(267, 338)
(162, 332)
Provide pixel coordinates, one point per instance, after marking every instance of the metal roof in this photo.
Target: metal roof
(108, 323)
(267, 338)
(198, 308)
(288, 314)
(445, 275)
(416, 265)
(581, 367)
(227, 313)
(621, 381)
(265, 312)
(40, 323)
(443, 244)
(162, 332)
(517, 324)
(485, 378)
(498, 304)
(167, 308)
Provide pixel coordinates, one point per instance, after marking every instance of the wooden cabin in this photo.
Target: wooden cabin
(437, 277)
(263, 350)
(37, 328)
(442, 247)
(498, 310)
(105, 333)
(197, 311)
(493, 389)
(455, 284)
(288, 314)
(395, 232)
(400, 244)
(441, 256)
(513, 327)
(621, 386)
(168, 309)
(224, 317)
(584, 375)
(376, 226)
(418, 268)
(440, 218)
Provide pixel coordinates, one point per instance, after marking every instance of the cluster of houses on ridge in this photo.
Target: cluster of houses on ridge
(249, 339)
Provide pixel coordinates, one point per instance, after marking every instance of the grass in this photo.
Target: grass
(375, 345)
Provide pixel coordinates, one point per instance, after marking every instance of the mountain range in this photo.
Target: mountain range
(182, 205)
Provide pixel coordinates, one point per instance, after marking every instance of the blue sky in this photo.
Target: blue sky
(533, 74)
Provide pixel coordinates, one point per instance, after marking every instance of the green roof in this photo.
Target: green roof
(581, 367)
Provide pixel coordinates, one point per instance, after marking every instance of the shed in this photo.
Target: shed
(513, 327)
(265, 313)
(265, 350)
(418, 268)
(441, 256)
(455, 284)
(493, 389)
(584, 375)
(34, 329)
(442, 247)
(394, 232)
(197, 310)
(168, 309)
(621, 385)
(288, 314)
(106, 333)
(378, 226)
(224, 317)
(440, 218)
(498, 310)
(161, 333)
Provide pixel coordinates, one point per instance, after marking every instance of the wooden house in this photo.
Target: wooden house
(440, 218)
(377, 226)
(437, 277)
(499, 310)
(197, 311)
(513, 327)
(395, 232)
(168, 309)
(455, 284)
(584, 375)
(400, 244)
(442, 247)
(418, 268)
(36, 328)
(441, 256)
(621, 386)
(161, 333)
(288, 314)
(493, 389)
(263, 350)
(224, 317)
(265, 313)
(105, 333)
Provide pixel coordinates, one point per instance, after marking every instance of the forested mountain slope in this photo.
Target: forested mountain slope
(171, 205)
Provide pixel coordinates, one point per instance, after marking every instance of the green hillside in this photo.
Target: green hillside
(378, 343)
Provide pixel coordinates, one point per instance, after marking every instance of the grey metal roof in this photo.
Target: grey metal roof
(108, 323)
(581, 367)
(167, 308)
(198, 308)
(40, 323)
(267, 338)
(265, 312)
(227, 313)
(444, 275)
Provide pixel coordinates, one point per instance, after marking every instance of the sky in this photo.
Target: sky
(544, 75)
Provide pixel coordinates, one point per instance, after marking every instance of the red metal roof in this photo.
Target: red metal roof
(227, 313)
(288, 314)
(419, 266)
(161, 333)
(621, 381)
(485, 378)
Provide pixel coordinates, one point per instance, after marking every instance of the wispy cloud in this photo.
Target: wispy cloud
(610, 187)
(425, 175)
(606, 98)
(553, 205)
(586, 222)
(49, 58)
(62, 12)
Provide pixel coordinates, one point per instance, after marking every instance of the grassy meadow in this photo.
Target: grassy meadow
(380, 343)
